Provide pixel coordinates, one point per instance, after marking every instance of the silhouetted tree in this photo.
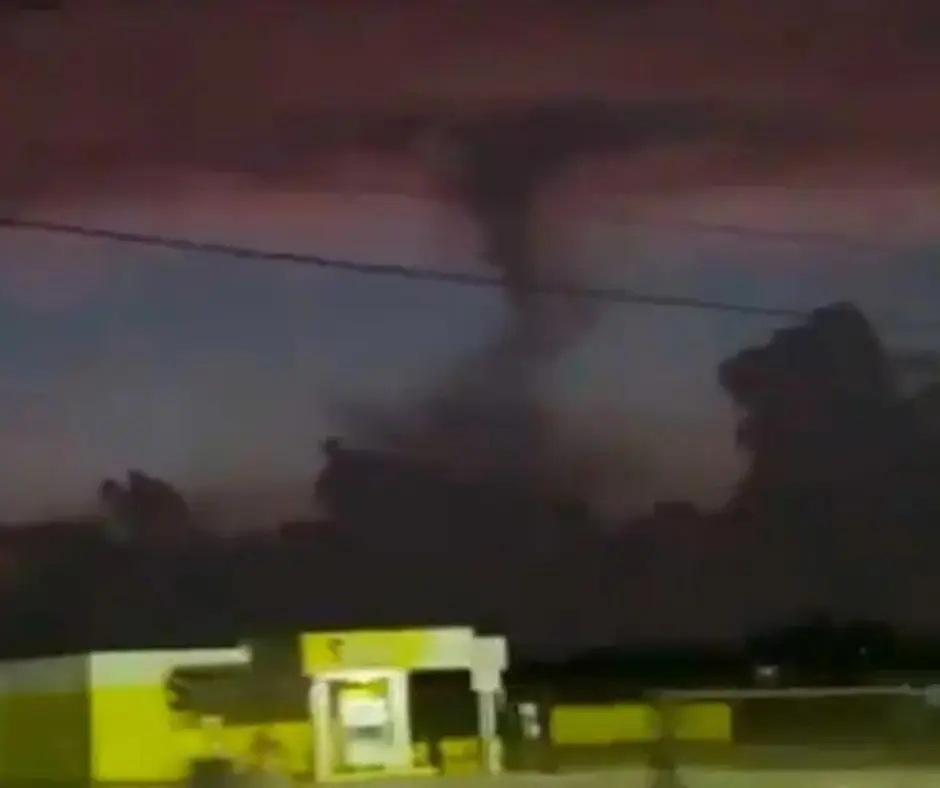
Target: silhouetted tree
(838, 460)
(145, 508)
(818, 403)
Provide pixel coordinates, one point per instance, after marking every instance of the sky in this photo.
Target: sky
(223, 375)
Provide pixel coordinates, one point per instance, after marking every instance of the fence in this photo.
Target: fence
(547, 725)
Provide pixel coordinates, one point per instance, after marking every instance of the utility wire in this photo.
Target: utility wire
(609, 294)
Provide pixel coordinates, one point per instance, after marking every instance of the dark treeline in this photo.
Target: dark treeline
(837, 445)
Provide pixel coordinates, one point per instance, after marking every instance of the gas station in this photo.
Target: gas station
(359, 700)
(123, 725)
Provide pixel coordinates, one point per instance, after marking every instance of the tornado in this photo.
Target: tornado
(489, 413)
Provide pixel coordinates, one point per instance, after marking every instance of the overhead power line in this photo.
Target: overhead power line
(609, 294)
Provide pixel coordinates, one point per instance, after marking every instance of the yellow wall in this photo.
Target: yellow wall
(294, 738)
(44, 730)
(624, 723)
(411, 649)
(45, 737)
(602, 724)
(138, 738)
(133, 736)
(158, 744)
(705, 722)
(66, 719)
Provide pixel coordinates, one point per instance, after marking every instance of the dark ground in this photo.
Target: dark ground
(753, 757)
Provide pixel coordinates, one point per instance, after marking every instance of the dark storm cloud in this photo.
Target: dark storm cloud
(100, 94)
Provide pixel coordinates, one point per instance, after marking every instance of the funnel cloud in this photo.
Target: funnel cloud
(496, 165)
